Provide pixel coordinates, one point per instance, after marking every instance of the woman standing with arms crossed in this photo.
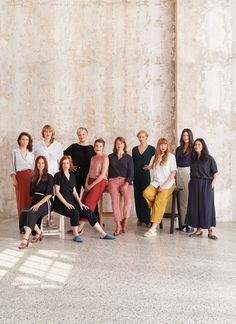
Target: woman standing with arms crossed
(41, 190)
(21, 170)
(142, 155)
(201, 206)
(183, 156)
(120, 175)
(81, 154)
(68, 203)
(160, 190)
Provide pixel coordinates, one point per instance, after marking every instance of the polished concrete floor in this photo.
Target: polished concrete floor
(164, 279)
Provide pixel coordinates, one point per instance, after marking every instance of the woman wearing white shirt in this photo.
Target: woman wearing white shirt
(163, 184)
(49, 148)
(21, 170)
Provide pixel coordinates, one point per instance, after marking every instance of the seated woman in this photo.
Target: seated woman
(41, 190)
(67, 201)
(160, 190)
(96, 179)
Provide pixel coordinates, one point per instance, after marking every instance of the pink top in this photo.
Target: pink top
(96, 167)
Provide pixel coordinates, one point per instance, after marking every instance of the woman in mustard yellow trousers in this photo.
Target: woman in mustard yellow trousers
(163, 184)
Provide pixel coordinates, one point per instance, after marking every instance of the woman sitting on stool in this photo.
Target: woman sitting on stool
(160, 190)
(41, 190)
(68, 203)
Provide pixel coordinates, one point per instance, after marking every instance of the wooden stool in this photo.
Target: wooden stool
(175, 196)
(103, 213)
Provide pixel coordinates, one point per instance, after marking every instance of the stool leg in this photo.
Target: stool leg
(172, 214)
(62, 227)
(179, 212)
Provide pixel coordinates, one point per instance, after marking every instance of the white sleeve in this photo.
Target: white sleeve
(59, 151)
(12, 163)
(173, 165)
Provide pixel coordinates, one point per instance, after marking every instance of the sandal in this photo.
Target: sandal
(124, 225)
(197, 233)
(212, 236)
(117, 232)
(22, 244)
(37, 237)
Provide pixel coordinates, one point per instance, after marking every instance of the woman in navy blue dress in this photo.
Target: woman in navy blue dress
(201, 207)
(142, 155)
(41, 190)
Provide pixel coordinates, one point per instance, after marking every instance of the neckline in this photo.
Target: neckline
(143, 151)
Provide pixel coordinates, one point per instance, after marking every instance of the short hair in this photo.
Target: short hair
(142, 132)
(66, 157)
(30, 144)
(99, 140)
(122, 140)
(81, 129)
(51, 129)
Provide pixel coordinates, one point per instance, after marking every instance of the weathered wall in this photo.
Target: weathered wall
(206, 79)
(107, 65)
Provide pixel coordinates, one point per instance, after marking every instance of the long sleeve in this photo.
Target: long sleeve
(12, 163)
(130, 170)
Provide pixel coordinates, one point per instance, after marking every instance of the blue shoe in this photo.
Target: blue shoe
(78, 239)
(108, 237)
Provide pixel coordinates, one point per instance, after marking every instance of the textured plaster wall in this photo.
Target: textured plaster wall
(104, 64)
(206, 86)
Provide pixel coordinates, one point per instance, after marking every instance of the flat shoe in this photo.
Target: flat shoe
(197, 233)
(108, 237)
(78, 239)
(117, 232)
(150, 234)
(24, 245)
(212, 236)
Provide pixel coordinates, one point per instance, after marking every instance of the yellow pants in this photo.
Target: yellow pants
(157, 201)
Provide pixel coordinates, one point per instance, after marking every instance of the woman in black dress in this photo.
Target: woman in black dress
(81, 154)
(68, 203)
(142, 155)
(201, 207)
(41, 190)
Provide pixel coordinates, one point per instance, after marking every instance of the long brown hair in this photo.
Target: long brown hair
(158, 158)
(36, 174)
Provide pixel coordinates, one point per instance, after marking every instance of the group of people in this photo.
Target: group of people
(40, 174)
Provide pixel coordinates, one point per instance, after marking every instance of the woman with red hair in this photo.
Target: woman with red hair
(163, 184)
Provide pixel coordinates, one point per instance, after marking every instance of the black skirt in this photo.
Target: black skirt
(201, 207)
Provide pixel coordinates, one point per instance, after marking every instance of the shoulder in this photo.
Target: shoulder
(50, 177)
(152, 148)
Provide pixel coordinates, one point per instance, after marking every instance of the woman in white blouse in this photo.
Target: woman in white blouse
(163, 184)
(53, 152)
(21, 170)
(49, 148)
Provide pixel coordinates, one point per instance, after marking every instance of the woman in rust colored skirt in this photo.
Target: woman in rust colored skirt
(21, 170)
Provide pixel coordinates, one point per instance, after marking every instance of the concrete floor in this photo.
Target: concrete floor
(165, 279)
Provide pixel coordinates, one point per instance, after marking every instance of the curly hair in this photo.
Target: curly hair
(158, 157)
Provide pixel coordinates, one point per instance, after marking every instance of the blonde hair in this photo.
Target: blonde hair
(142, 132)
(158, 158)
(50, 129)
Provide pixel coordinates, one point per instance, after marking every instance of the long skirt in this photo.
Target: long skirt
(30, 218)
(23, 198)
(201, 207)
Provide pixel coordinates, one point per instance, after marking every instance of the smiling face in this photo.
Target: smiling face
(47, 134)
(198, 147)
(142, 138)
(120, 145)
(82, 136)
(185, 137)
(65, 164)
(98, 148)
(24, 141)
(163, 147)
(40, 165)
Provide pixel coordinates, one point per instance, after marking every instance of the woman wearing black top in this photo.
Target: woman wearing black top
(183, 159)
(81, 154)
(201, 207)
(41, 190)
(68, 203)
(142, 155)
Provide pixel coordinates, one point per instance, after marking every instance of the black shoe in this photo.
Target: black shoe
(182, 229)
(189, 229)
